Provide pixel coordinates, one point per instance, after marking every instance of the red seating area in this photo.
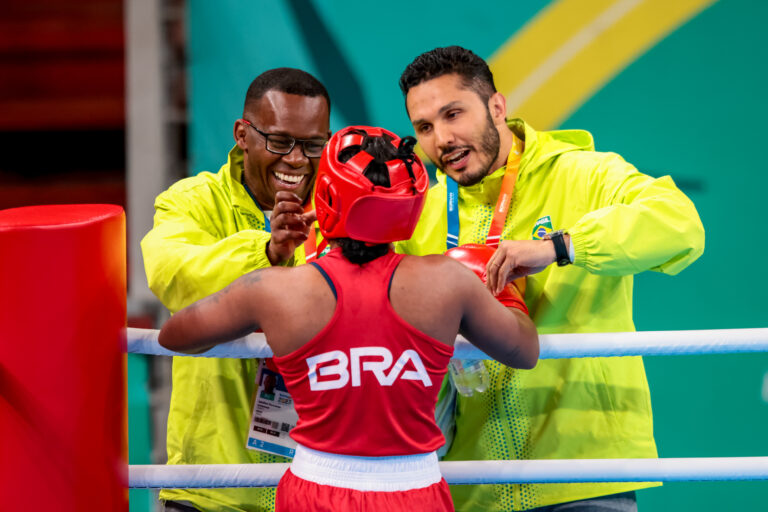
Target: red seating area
(62, 102)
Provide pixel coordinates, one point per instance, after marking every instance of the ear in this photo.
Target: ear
(239, 133)
(497, 106)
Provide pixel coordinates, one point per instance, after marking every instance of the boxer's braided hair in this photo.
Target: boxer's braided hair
(382, 151)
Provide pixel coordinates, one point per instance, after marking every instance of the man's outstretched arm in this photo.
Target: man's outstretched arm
(635, 223)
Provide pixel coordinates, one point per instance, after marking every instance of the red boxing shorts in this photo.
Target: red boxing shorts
(319, 481)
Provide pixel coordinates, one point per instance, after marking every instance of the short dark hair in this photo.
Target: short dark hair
(382, 151)
(473, 71)
(287, 80)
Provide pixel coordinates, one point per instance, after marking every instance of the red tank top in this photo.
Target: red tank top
(367, 383)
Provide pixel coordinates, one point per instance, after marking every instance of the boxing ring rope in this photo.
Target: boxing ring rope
(477, 472)
(553, 346)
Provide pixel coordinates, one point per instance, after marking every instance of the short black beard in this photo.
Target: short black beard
(489, 145)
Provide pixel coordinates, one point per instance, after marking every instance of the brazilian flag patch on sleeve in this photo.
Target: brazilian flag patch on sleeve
(542, 227)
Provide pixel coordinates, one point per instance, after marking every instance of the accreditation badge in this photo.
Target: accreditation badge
(273, 414)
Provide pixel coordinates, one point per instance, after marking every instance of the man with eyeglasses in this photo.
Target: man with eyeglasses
(211, 229)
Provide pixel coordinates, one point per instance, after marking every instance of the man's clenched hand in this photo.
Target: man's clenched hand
(290, 227)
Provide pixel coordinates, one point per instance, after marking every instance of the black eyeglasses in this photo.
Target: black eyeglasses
(283, 144)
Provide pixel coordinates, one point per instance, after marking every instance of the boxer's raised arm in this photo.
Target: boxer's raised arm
(506, 334)
(224, 316)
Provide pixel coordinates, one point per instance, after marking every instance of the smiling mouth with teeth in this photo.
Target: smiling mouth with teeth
(456, 157)
(289, 178)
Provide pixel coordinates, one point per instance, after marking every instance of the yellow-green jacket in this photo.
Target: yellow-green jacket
(621, 222)
(208, 232)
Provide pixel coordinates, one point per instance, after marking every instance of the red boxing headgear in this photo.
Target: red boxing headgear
(348, 205)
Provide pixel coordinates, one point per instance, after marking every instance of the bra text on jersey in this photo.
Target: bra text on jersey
(339, 372)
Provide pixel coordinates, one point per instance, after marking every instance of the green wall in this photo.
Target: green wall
(139, 430)
(347, 45)
(692, 106)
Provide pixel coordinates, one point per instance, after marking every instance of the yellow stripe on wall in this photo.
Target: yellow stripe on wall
(565, 54)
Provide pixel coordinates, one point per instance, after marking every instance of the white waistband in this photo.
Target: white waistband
(386, 474)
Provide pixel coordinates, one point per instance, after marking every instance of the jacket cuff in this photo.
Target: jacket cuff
(290, 262)
(263, 258)
(260, 251)
(579, 241)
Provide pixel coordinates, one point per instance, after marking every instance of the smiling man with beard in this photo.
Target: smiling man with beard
(211, 229)
(543, 198)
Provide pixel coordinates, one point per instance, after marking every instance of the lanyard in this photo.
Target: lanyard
(502, 203)
(267, 227)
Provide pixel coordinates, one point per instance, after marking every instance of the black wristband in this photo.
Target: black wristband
(562, 256)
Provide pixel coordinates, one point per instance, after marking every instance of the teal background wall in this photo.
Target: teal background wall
(692, 106)
(347, 45)
(139, 431)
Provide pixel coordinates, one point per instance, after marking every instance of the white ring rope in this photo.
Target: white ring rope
(553, 346)
(476, 472)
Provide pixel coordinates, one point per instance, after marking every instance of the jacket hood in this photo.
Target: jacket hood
(543, 146)
(235, 163)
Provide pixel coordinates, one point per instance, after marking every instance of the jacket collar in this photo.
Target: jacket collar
(233, 175)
